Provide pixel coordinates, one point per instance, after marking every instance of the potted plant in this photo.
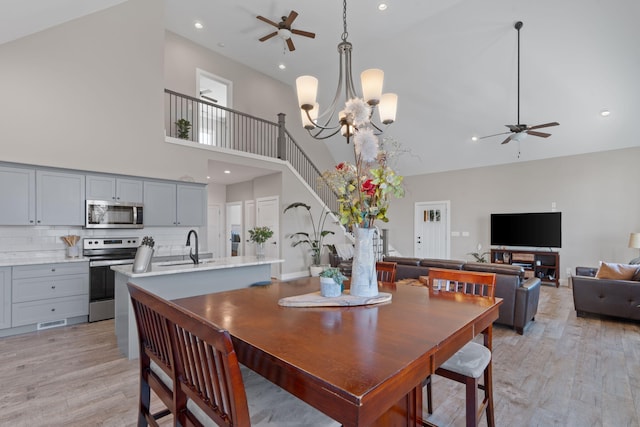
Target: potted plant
(183, 127)
(331, 280)
(314, 239)
(479, 256)
(259, 235)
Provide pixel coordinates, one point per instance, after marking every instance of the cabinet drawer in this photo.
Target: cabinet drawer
(26, 313)
(55, 287)
(49, 270)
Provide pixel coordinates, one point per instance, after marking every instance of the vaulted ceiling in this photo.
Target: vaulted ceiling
(451, 62)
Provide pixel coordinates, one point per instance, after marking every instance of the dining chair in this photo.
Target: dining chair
(473, 360)
(386, 272)
(157, 370)
(211, 387)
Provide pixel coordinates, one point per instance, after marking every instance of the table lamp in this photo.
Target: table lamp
(634, 242)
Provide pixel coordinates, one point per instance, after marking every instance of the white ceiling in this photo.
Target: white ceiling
(452, 63)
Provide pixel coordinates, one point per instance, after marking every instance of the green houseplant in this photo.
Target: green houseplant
(183, 127)
(259, 235)
(314, 239)
(331, 282)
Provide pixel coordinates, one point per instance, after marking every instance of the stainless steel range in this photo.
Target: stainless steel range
(102, 254)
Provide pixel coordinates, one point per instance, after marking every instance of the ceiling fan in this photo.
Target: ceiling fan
(518, 131)
(284, 29)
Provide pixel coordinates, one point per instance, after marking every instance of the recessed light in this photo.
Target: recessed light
(220, 44)
(227, 171)
(605, 113)
(208, 177)
(474, 138)
(382, 6)
(282, 66)
(198, 25)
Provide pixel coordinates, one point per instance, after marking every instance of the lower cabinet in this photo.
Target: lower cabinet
(5, 297)
(48, 292)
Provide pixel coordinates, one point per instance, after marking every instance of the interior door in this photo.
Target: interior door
(234, 228)
(268, 214)
(214, 230)
(431, 225)
(249, 223)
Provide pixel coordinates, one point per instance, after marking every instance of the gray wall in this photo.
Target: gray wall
(596, 194)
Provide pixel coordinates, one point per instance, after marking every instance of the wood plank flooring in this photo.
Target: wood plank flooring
(565, 371)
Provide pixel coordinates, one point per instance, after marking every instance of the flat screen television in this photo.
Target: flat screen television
(542, 229)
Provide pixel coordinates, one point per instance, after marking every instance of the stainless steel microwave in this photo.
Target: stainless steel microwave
(109, 214)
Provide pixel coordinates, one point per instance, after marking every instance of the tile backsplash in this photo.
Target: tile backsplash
(42, 241)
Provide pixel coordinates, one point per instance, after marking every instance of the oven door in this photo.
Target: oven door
(101, 289)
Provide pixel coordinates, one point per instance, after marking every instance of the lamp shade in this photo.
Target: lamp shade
(372, 81)
(634, 240)
(388, 107)
(307, 89)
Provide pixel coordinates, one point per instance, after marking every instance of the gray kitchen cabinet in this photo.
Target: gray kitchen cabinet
(5, 297)
(60, 198)
(18, 195)
(167, 204)
(49, 292)
(117, 189)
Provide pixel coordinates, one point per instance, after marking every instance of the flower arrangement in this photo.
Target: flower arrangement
(260, 234)
(364, 188)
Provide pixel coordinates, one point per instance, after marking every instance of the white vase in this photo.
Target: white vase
(329, 287)
(364, 279)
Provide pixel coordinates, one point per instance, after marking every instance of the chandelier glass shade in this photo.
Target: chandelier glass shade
(324, 125)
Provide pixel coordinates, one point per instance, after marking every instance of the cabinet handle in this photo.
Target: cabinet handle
(53, 286)
(53, 309)
(38, 221)
(53, 269)
(30, 221)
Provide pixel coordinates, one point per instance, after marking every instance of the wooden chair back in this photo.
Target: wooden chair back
(386, 272)
(154, 337)
(467, 282)
(206, 367)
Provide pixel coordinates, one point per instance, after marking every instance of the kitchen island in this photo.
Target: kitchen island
(179, 279)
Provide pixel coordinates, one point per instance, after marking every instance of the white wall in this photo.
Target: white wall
(596, 193)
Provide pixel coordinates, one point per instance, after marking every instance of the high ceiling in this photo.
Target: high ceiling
(453, 64)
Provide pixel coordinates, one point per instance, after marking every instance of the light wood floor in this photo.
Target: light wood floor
(565, 371)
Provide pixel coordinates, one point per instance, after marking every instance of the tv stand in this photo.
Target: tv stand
(542, 264)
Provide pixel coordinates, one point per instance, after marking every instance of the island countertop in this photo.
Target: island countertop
(187, 266)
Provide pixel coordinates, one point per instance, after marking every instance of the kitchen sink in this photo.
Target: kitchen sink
(182, 262)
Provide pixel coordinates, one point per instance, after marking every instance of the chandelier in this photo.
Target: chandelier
(347, 124)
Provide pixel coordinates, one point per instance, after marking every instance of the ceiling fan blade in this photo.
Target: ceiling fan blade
(506, 140)
(546, 125)
(292, 17)
(495, 134)
(268, 21)
(290, 44)
(268, 36)
(304, 33)
(540, 134)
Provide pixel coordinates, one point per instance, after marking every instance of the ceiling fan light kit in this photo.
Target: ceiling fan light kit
(519, 131)
(284, 30)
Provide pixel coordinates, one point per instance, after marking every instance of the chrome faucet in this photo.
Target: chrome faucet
(195, 257)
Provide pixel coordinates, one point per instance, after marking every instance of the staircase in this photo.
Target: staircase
(213, 125)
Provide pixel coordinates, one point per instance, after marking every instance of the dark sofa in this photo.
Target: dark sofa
(520, 296)
(611, 297)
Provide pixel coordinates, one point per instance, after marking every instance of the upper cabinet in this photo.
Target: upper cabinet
(167, 204)
(60, 198)
(18, 195)
(58, 201)
(116, 189)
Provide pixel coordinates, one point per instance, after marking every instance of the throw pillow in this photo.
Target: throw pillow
(636, 276)
(610, 270)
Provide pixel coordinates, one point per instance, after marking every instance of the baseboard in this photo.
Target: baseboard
(295, 275)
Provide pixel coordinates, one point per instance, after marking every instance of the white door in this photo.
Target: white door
(431, 225)
(234, 229)
(268, 214)
(249, 223)
(215, 241)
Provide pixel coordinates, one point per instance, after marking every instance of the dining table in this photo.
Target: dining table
(360, 365)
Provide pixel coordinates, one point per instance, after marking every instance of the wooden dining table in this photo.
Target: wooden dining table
(360, 365)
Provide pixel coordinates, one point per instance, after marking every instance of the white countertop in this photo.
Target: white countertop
(33, 260)
(187, 266)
